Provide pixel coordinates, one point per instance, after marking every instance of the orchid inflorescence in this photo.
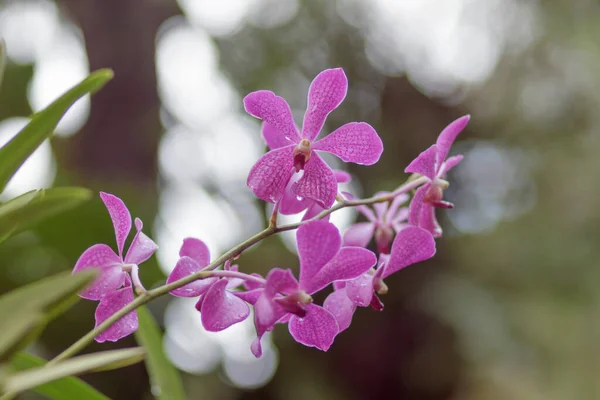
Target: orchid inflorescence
(293, 176)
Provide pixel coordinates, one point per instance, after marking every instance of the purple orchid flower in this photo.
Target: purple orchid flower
(291, 204)
(114, 288)
(411, 245)
(434, 164)
(292, 150)
(387, 219)
(219, 308)
(323, 260)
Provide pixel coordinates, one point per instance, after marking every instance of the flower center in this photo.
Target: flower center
(435, 193)
(302, 154)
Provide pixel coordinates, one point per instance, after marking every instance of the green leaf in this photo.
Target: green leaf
(165, 379)
(24, 211)
(2, 59)
(24, 311)
(69, 388)
(43, 123)
(34, 377)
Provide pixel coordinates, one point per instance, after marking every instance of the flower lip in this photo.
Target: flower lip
(301, 154)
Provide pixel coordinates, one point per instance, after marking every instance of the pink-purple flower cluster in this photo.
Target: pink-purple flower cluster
(294, 177)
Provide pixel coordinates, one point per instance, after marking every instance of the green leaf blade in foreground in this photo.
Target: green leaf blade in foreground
(43, 123)
(101, 361)
(24, 211)
(24, 311)
(165, 379)
(69, 388)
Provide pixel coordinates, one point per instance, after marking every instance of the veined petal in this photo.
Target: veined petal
(410, 246)
(121, 219)
(110, 304)
(275, 111)
(112, 277)
(280, 281)
(449, 164)
(359, 234)
(221, 309)
(424, 164)
(290, 203)
(448, 135)
(185, 267)
(273, 138)
(196, 250)
(326, 92)
(142, 247)
(317, 329)
(318, 182)
(349, 263)
(318, 243)
(271, 174)
(355, 142)
(416, 204)
(360, 290)
(341, 307)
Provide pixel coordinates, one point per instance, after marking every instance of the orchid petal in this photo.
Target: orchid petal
(251, 285)
(381, 208)
(280, 281)
(195, 249)
(349, 263)
(290, 203)
(317, 329)
(112, 277)
(424, 164)
(341, 307)
(428, 221)
(359, 234)
(142, 247)
(360, 290)
(275, 111)
(342, 176)
(110, 304)
(364, 210)
(121, 219)
(312, 211)
(185, 267)
(449, 164)
(416, 204)
(318, 182)
(396, 203)
(448, 135)
(326, 92)
(271, 174)
(249, 296)
(221, 309)
(411, 245)
(273, 138)
(318, 243)
(355, 142)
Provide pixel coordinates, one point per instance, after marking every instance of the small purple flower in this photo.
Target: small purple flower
(291, 204)
(219, 308)
(387, 219)
(114, 288)
(292, 150)
(411, 245)
(434, 164)
(323, 260)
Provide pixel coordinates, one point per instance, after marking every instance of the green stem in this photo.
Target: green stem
(232, 253)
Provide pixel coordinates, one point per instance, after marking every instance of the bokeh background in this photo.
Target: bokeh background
(508, 309)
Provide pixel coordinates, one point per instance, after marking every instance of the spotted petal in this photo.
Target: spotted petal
(318, 242)
(326, 92)
(112, 277)
(355, 142)
(341, 307)
(121, 219)
(448, 135)
(273, 138)
(317, 329)
(318, 182)
(221, 309)
(275, 111)
(411, 245)
(424, 164)
(185, 267)
(142, 247)
(110, 304)
(271, 174)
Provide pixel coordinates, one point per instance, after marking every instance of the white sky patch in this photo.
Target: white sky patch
(38, 171)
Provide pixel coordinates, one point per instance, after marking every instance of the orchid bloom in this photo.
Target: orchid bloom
(291, 204)
(411, 245)
(434, 164)
(114, 287)
(323, 260)
(387, 219)
(293, 150)
(219, 308)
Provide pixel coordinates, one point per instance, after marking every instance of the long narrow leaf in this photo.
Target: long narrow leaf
(165, 379)
(42, 125)
(35, 377)
(24, 211)
(69, 388)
